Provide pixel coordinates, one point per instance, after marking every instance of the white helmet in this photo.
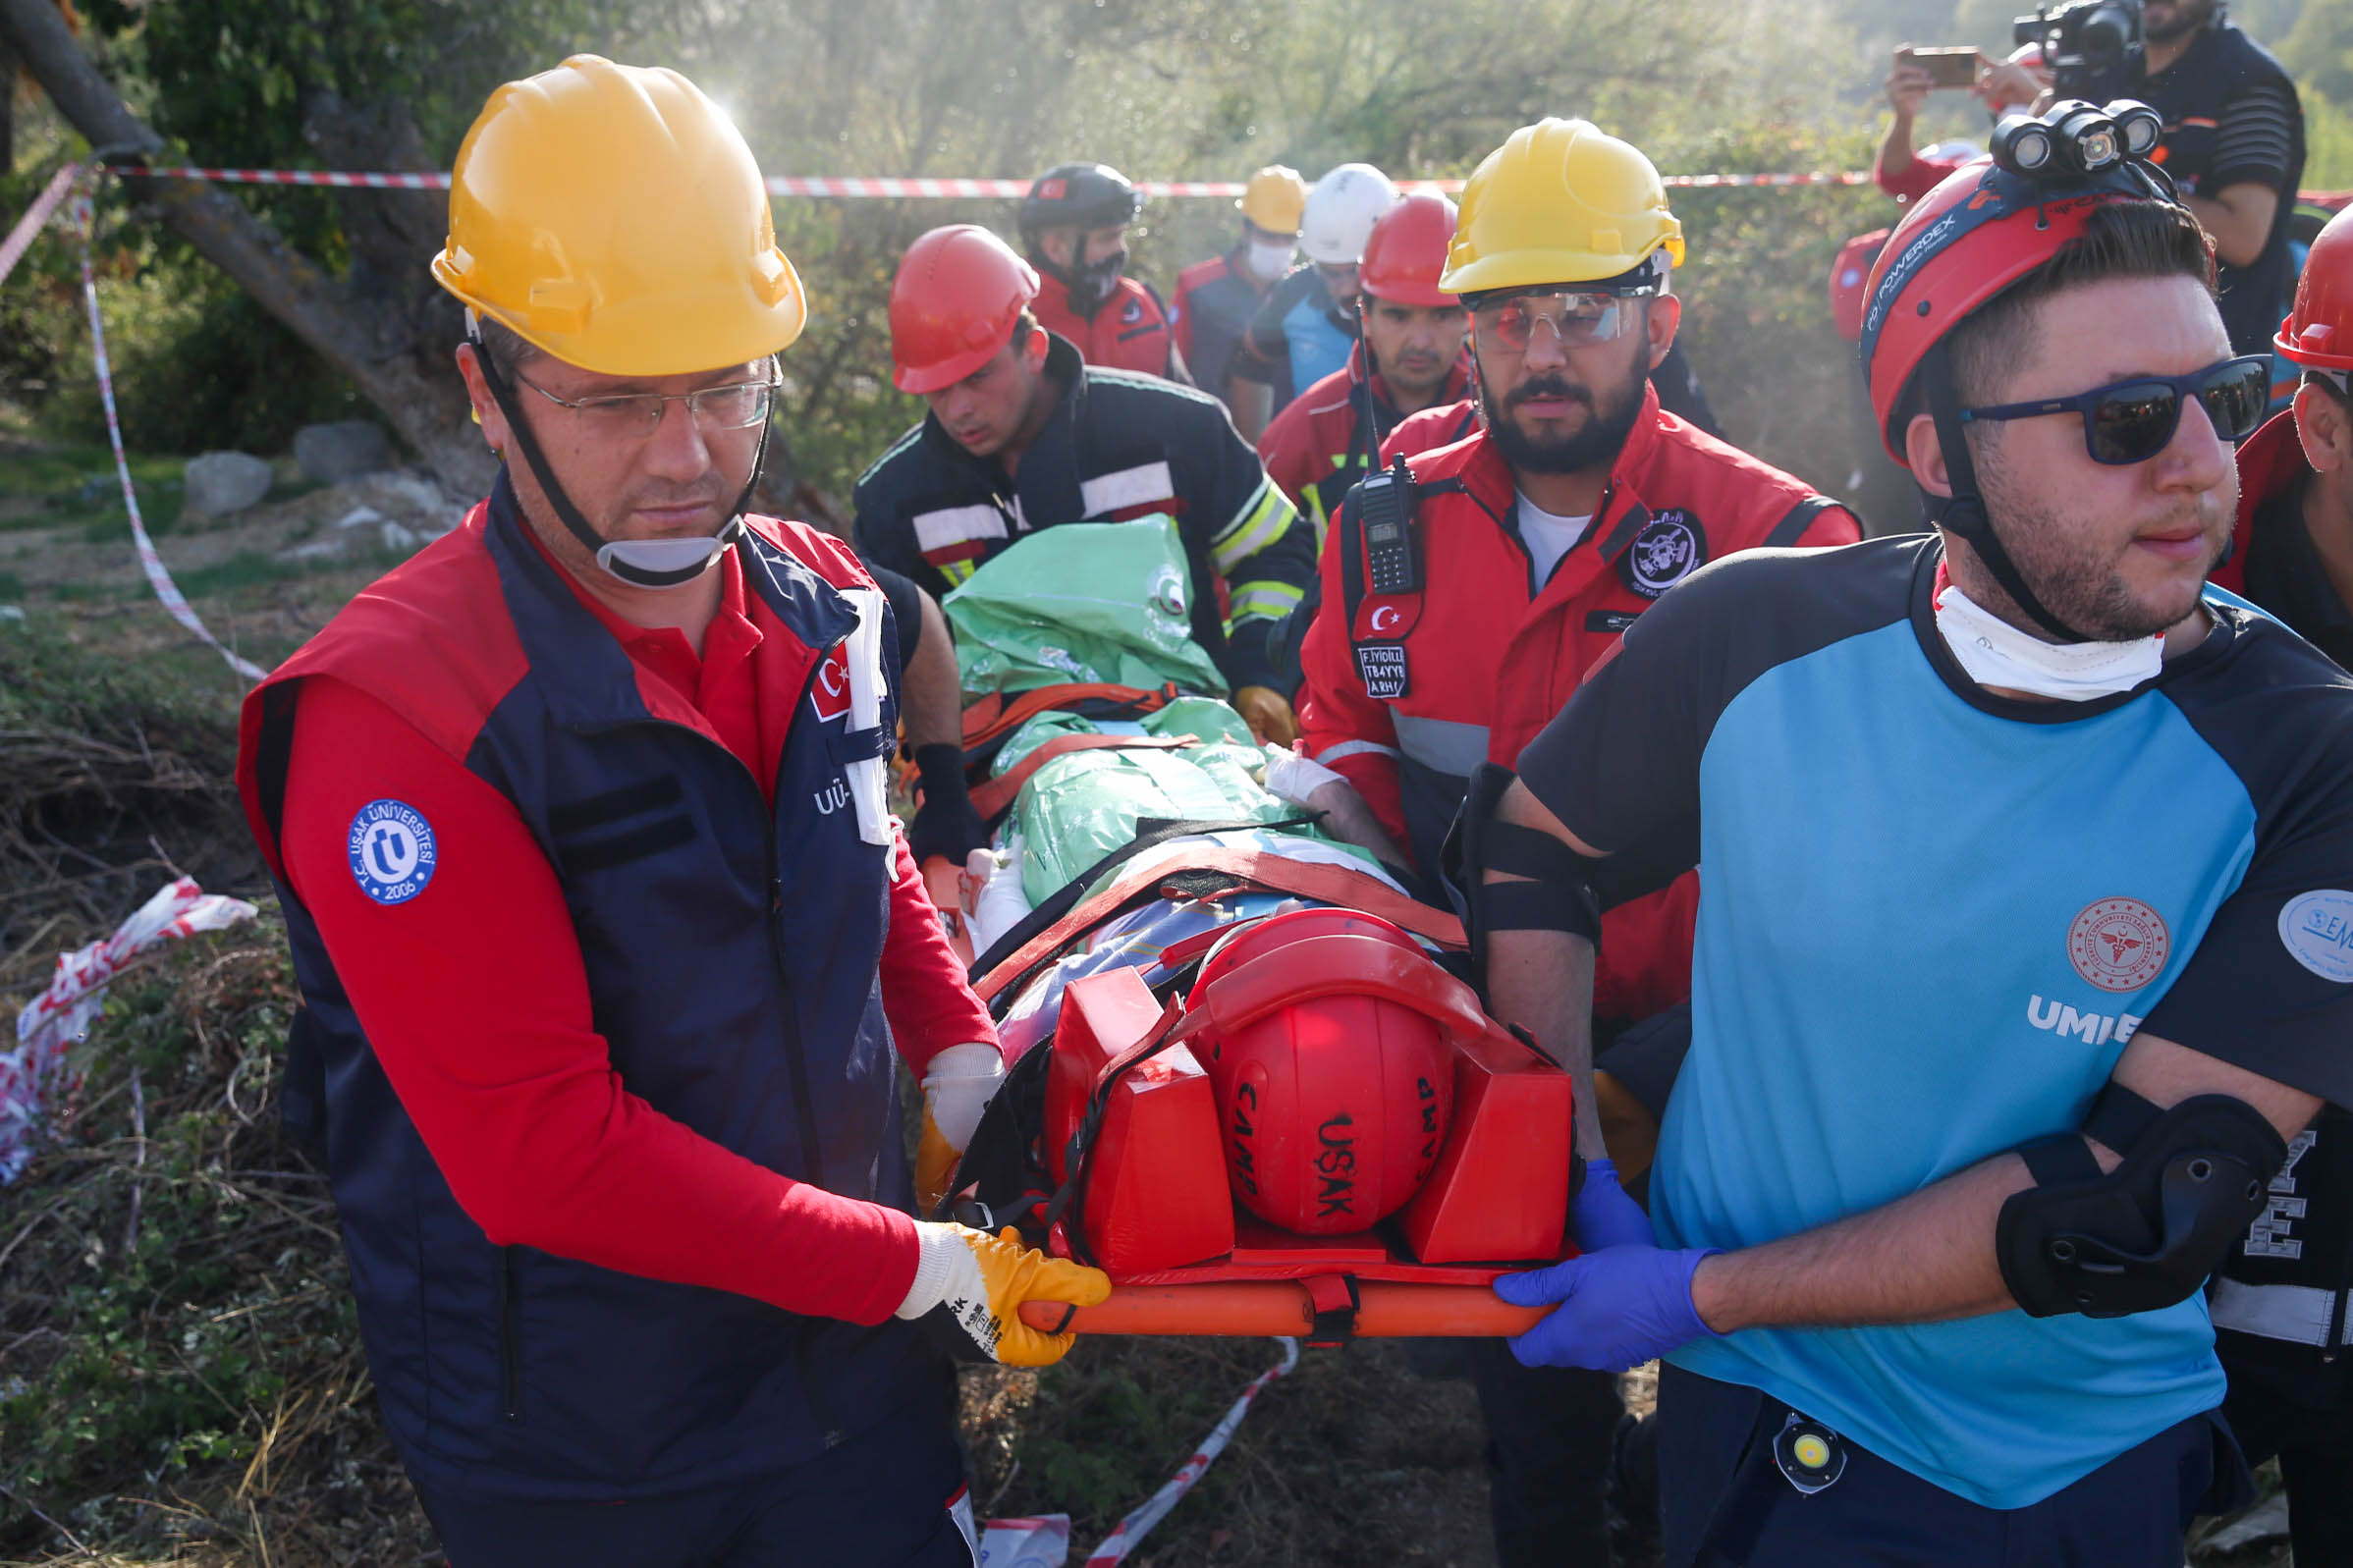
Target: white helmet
(1342, 208)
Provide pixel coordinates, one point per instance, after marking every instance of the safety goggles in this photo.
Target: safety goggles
(2131, 421)
(1578, 317)
(635, 415)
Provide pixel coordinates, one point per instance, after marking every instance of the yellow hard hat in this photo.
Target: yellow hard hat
(612, 216)
(1274, 200)
(1558, 202)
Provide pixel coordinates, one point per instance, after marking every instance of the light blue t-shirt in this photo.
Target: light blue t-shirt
(1929, 919)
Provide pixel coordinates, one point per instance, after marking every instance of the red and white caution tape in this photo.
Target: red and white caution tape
(897, 187)
(1131, 1530)
(19, 238)
(59, 1016)
(175, 603)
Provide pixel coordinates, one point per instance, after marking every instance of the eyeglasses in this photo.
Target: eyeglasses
(2131, 421)
(636, 415)
(1578, 317)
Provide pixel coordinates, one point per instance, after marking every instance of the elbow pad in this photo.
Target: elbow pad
(2147, 1234)
(1556, 898)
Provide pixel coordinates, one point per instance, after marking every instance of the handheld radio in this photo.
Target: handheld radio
(1394, 557)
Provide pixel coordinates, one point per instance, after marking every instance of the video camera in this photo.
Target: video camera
(2093, 47)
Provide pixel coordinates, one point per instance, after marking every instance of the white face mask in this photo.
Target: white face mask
(1995, 653)
(1269, 259)
(663, 556)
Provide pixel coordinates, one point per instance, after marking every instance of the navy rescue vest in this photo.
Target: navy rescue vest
(732, 955)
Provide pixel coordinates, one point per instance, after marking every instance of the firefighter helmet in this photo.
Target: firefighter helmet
(954, 302)
(1408, 251)
(2318, 332)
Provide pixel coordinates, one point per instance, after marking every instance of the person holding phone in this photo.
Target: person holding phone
(2002, 85)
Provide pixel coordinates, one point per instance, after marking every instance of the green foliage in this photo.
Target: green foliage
(234, 80)
(51, 684)
(2328, 143)
(75, 482)
(183, 1291)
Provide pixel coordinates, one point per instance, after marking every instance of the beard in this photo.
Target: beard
(2188, 17)
(2079, 580)
(1607, 422)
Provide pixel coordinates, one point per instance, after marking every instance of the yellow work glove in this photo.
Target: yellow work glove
(957, 1084)
(1270, 721)
(976, 1282)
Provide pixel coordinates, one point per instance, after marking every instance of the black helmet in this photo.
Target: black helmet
(1079, 195)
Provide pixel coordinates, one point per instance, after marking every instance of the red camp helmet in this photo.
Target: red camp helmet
(1977, 233)
(1333, 1104)
(2318, 331)
(959, 293)
(1408, 251)
(1850, 274)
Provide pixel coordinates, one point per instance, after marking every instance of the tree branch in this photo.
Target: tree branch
(429, 411)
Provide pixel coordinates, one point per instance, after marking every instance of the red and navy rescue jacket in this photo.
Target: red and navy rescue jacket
(1407, 693)
(731, 950)
(1318, 447)
(1130, 331)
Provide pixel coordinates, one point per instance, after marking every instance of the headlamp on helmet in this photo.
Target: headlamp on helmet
(1988, 226)
(2076, 137)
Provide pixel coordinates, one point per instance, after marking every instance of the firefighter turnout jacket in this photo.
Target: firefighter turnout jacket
(1407, 692)
(1117, 447)
(1130, 331)
(1318, 446)
(595, 965)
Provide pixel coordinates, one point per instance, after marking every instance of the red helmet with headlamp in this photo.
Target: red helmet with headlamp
(1988, 226)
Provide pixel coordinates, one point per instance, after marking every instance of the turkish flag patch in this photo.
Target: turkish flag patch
(829, 693)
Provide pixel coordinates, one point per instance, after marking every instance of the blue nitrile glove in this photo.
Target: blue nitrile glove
(1618, 1308)
(1603, 1216)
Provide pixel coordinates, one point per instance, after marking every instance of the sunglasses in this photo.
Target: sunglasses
(2131, 421)
(1578, 317)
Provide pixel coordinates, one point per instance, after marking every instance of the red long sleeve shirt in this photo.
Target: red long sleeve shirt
(483, 1022)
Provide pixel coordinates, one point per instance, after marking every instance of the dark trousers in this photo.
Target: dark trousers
(1549, 1435)
(2314, 1448)
(880, 1500)
(1726, 1502)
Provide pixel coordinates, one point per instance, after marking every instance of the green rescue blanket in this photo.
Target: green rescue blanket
(1081, 602)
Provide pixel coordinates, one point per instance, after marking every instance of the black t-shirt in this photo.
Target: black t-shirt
(2286, 576)
(2232, 118)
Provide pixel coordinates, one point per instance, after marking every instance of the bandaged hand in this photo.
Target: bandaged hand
(971, 1285)
(1292, 776)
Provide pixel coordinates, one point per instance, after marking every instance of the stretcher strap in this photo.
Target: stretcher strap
(1000, 714)
(1339, 886)
(992, 798)
(1150, 833)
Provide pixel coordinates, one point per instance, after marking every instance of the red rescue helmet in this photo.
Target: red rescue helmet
(1988, 225)
(1336, 1092)
(1978, 232)
(2318, 332)
(958, 293)
(1406, 251)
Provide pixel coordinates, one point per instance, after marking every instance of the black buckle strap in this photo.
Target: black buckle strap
(1336, 1300)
